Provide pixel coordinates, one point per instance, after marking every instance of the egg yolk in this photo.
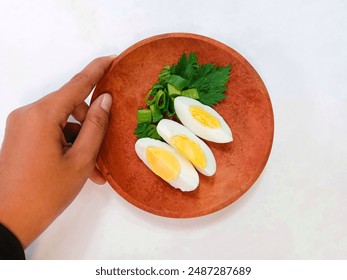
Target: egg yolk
(163, 163)
(204, 117)
(190, 149)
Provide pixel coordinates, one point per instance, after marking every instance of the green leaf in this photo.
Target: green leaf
(147, 129)
(178, 68)
(186, 66)
(210, 82)
(164, 74)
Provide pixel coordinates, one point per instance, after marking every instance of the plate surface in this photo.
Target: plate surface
(247, 110)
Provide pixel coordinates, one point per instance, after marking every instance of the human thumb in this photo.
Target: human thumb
(93, 129)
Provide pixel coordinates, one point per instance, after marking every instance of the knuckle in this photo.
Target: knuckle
(32, 112)
(18, 115)
(100, 60)
(80, 77)
(101, 64)
(83, 79)
(14, 115)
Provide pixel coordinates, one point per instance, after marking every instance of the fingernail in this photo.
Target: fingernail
(106, 102)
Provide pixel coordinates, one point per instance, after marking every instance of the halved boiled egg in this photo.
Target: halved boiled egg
(190, 146)
(202, 120)
(167, 163)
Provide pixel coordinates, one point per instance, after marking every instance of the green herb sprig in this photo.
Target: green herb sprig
(206, 83)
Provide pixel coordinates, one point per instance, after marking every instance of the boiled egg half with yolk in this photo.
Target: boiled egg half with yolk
(187, 144)
(202, 120)
(167, 163)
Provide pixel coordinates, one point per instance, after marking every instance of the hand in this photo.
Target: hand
(40, 172)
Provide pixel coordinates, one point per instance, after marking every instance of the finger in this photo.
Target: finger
(80, 112)
(87, 145)
(97, 177)
(79, 87)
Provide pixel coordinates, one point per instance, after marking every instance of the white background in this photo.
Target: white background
(298, 207)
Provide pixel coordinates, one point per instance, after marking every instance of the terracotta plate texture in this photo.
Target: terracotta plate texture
(247, 110)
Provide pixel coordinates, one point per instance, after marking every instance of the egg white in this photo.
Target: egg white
(188, 178)
(222, 134)
(167, 129)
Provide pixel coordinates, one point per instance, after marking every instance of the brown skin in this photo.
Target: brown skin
(40, 173)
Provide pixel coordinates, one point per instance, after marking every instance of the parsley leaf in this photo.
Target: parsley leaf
(147, 129)
(210, 82)
(207, 78)
(186, 66)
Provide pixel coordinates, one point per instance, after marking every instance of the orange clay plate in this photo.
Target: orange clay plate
(247, 110)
